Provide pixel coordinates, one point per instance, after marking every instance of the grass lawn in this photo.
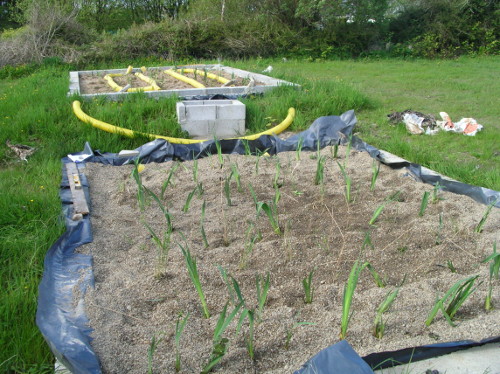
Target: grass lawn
(34, 110)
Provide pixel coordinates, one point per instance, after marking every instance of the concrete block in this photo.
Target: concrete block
(209, 118)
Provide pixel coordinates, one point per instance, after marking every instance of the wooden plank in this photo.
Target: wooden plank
(80, 206)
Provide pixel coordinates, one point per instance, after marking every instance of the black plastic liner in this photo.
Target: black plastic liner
(61, 314)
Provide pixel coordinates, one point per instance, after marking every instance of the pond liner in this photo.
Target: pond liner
(68, 274)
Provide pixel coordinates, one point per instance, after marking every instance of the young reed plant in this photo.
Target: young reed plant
(435, 193)
(378, 323)
(480, 225)
(136, 174)
(377, 213)
(262, 285)
(163, 246)
(319, 177)
(348, 181)
(233, 287)
(276, 183)
(179, 328)
(195, 278)
(220, 343)
(185, 208)
(169, 180)
(349, 289)
(250, 338)
(453, 299)
(202, 225)
(272, 214)
(195, 171)
(494, 260)
(298, 150)
(252, 236)
(219, 153)
(235, 173)
(308, 287)
(153, 346)
(423, 204)
(375, 173)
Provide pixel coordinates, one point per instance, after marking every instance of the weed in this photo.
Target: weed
(185, 208)
(153, 346)
(220, 344)
(494, 258)
(375, 172)
(195, 278)
(290, 331)
(453, 300)
(262, 290)
(378, 324)
(479, 227)
(308, 287)
(179, 328)
(423, 204)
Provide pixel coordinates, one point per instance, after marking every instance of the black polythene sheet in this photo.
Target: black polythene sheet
(61, 313)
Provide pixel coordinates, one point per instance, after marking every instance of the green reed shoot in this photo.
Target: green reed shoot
(479, 227)
(349, 289)
(185, 208)
(220, 344)
(439, 238)
(271, 214)
(262, 290)
(450, 265)
(308, 287)
(195, 171)
(376, 213)
(254, 195)
(163, 208)
(335, 151)
(235, 173)
(494, 260)
(290, 331)
(153, 346)
(348, 181)
(276, 183)
(179, 328)
(246, 145)
(435, 193)
(195, 278)
(250, 338)
(203, 234)
(375, 172)
(169, 179)
(219, 153)
(423, 204)
(299, 148)
(252, 237)
(163, 245)
(138, 180)
(453, 300)
(379, 324)
(367, 242)
(320, 170)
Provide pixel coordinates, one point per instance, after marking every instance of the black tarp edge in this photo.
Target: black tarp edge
(60, 315)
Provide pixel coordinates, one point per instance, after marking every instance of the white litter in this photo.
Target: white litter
(466, 126)
(268, 69)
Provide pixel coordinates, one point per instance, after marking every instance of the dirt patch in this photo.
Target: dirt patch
(131, 303)
(90, 84)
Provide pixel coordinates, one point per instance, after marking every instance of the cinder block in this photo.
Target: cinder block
(209, 118)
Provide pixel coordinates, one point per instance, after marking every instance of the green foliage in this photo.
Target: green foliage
(378, 324)
(482, 222)
(179, 328)
(308, 287)
(453, 300)
(494, 260)
(153, 346)
(263, 285)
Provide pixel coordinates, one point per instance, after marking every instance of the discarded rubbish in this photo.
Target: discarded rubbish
(466, 126)
(418, 123)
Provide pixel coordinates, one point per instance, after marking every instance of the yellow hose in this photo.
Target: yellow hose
(218, 78)
(181, 77)
(77, 109)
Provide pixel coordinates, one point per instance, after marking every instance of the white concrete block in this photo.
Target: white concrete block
(234, 110)
(201, 112)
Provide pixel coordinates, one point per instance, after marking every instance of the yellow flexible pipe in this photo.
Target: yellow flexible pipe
(149, 80)
(77, 109)
(218, 78)
(181, 77)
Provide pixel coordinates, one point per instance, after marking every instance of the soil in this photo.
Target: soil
(91, 84)
(136, 297)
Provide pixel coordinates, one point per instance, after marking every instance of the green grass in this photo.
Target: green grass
(34, 111)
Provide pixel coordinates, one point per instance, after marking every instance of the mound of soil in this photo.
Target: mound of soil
(137, 296)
